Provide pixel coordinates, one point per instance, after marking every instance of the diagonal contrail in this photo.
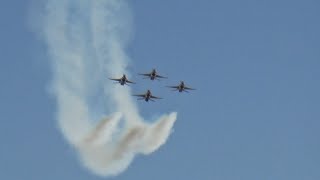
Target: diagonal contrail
(86, 41)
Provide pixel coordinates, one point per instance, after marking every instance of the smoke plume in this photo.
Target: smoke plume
(86, 41)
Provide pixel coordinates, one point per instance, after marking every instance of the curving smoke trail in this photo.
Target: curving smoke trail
(86, 41)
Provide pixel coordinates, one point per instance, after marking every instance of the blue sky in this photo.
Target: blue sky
(255, 114)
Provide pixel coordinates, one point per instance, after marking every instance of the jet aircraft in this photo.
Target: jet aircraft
(147, 96)
(153, 75)
(181, 87)
(123, 80)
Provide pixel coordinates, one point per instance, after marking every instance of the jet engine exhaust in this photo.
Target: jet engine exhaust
(85, 42)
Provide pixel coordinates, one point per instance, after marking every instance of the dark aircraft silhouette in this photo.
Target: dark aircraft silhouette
(181, 87)
(123, 80)
(147, 96)
(153, 75)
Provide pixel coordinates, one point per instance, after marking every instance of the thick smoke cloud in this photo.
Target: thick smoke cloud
(86, 41)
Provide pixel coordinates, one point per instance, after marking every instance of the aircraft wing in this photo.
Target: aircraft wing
(114, 79)
(187, 88)
(130, 82)
(154, 97)
(159, 76)
(146, 74)
(176, 87)
(139, 95)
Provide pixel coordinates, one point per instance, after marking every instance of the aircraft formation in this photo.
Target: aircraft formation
(153, 75)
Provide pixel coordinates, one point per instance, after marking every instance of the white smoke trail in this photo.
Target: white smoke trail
(86, 41)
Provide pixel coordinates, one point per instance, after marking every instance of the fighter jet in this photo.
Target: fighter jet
(181, 87)
(123, 80)
(147, 96)
(153, 75)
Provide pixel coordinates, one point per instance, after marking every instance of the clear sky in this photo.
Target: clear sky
(255, 114)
